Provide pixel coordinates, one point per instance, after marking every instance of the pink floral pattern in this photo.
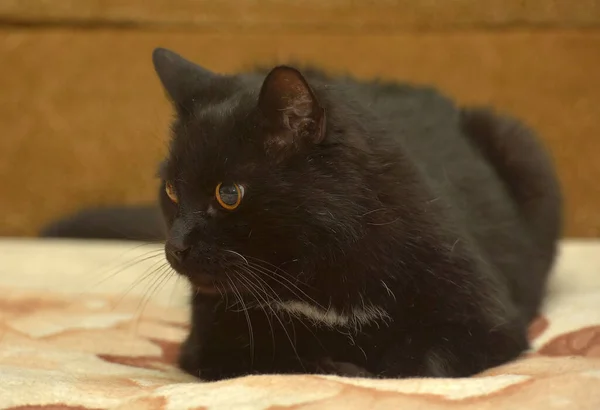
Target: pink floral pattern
(67, 349)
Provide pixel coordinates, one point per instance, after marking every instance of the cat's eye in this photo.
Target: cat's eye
(229, 196)
(170, 190)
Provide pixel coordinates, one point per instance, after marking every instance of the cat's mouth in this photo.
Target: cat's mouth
(211, 289)
(205, 283)
(213, 276)
(212, 284)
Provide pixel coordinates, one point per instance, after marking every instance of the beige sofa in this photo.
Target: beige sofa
(85, 326)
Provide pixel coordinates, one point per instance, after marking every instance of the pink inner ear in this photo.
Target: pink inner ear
(285, 88)
(287, 101)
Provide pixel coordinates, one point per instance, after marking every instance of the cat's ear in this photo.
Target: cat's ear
(290, 109)
(181, 79)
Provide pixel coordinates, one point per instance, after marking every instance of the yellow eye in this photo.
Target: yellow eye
(170, 190)
(229, 196)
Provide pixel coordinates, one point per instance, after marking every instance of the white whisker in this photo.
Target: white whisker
(238, 254)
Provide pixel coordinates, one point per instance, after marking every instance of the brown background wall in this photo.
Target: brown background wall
(83, 119)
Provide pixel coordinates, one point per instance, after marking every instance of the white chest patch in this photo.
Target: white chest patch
(357, 317)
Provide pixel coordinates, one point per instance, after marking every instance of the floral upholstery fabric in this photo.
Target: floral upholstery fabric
(95, 325)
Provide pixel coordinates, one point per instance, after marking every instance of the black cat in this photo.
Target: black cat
(335, 225)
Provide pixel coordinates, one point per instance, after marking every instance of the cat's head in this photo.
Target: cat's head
(261, 185)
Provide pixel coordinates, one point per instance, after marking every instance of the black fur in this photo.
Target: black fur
(142, 223)
(358, 195)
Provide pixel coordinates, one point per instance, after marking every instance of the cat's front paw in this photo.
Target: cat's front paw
(346, 369)
(214, 374)
(189, 357)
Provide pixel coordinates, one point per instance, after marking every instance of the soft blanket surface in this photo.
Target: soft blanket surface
(96, 325)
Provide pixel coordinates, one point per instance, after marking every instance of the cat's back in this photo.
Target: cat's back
(492, 176)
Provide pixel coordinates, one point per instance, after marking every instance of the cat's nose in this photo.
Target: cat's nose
(177, 250)
(177, 245)
(180, 254)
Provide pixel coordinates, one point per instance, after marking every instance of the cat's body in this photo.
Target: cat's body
(381, 229)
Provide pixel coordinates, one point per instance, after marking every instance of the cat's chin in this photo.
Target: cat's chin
(204, 283)
(212, 282)
(208, 289)
(208, 285)
(217, 287)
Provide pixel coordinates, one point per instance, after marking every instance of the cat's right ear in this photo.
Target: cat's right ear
(290, 109)
(182, 80)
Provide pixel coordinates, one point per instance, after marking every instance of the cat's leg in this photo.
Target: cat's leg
(219, 345)
(219, 366)
(203, 310)
(328, 366)
(218, 350)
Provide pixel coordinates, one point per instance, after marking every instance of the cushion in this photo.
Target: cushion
(96, 325)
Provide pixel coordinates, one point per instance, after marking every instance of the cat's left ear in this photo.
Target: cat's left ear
(290, 109)
(183, 80)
